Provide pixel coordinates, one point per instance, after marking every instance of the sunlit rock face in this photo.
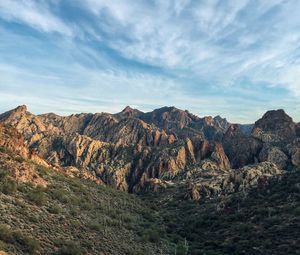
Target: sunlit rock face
(131, 149)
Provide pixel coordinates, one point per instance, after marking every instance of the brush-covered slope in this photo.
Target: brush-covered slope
(45, 211)
(265, 220)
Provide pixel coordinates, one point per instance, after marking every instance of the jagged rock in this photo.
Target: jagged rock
(128, 112)
(240, 148)
(294, 152)
(128, 149)
(220, 157)
(274, 155)
(210, 184)
(275, 126)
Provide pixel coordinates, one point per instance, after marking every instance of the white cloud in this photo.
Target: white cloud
(33, 13)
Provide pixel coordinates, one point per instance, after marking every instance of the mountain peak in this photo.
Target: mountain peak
(275, 126)
(128, 112)
(128, 109)
(21, 109)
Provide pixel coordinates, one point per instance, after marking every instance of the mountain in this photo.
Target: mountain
(131, 150)
(225, 191)
(124, 150)
(47, 211)
(275, 127)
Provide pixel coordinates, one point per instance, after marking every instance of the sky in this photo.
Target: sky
(234, 58)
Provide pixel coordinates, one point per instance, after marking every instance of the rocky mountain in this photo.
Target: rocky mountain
(124, 150)
(45, 210)
(56, 173)
(131, 150)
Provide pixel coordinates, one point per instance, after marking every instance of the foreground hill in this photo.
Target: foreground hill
(45, 211)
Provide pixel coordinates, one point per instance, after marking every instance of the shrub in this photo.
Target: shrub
(37, 196)
(182, 249)
(2, 245)
(5, 232)
(19, 159)
(94, 226)
(61, 195)
(8, 186)
(69, 248)
(151, 235)
(54, 209)
(28, 244)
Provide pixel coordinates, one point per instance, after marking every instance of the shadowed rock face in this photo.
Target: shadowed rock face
(275, 126)
(240, 148)
(130, 149)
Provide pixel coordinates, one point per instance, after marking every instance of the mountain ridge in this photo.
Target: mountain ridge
(131, 149)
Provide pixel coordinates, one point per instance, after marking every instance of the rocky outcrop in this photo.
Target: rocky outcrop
(275, 127)
(131, 149)
(15, 156)
(240, 148)
(124, 150)
(293, 150)
(203, 185)
(274, 155)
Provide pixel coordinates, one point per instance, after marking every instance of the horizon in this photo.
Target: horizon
(236, 59)
(28, 108)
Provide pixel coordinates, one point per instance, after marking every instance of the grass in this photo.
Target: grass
(75, 216)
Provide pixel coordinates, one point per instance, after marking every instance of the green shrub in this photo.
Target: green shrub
(8, 186)
(26, 243)
(19, 159)
(54, 209)
(5, 232)
(182, 249)
(69, 248)
(151, 235)
(2, 245)
(94, 225)
(37, 196)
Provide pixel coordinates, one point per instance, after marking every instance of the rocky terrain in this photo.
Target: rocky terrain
(131, 150)
(54, 173)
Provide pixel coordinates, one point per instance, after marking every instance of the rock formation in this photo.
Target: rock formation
(130, 149)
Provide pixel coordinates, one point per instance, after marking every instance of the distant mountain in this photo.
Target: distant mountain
(130, 149)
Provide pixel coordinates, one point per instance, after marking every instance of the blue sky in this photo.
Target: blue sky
(235, 58)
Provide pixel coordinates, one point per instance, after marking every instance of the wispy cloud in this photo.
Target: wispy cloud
(230, 57)
(33, 13)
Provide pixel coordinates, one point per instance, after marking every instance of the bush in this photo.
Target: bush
(37, 196)
(54, 209)
(27, 243)
(5, 232)
(61, 195)
(182, 249)
(94, 226)
(8, 186)
(69, 248)
(151, 235)
(19, 159)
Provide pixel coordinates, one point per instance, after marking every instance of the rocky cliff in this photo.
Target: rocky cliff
(130, 149)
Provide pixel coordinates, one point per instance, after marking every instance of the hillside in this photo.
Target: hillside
(265, 220)
(73, 216)
(117, 184)
(46, 210)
